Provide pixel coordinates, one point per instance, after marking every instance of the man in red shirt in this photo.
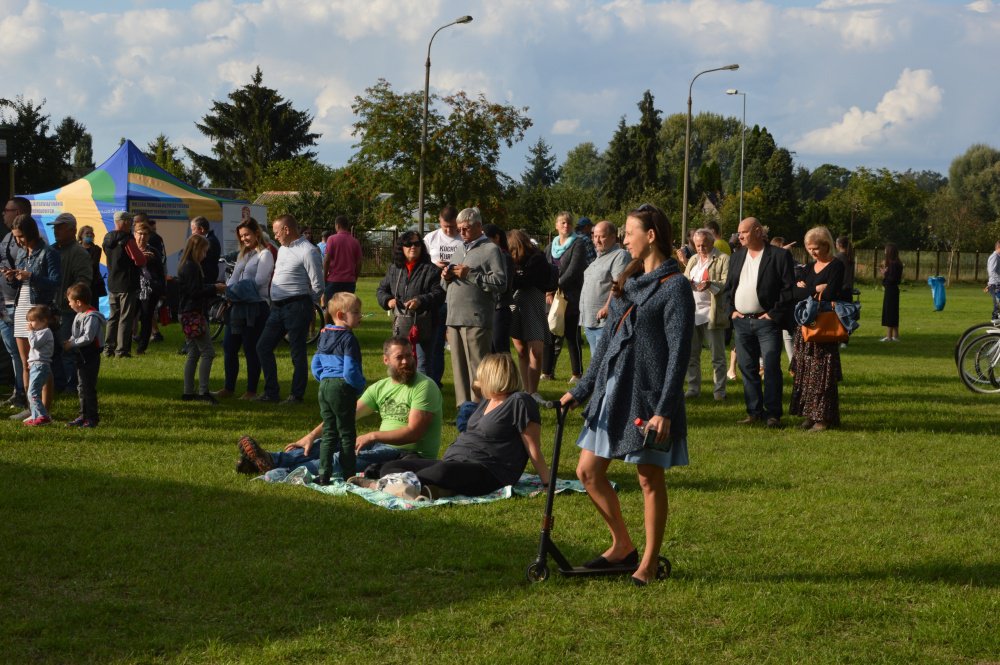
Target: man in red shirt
(342, 259)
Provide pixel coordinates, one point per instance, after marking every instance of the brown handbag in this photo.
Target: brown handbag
(825, 328)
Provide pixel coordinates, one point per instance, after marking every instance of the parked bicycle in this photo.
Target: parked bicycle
(977, 355)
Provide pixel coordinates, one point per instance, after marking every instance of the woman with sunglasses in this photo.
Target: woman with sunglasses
(411, 291)
(636, 376)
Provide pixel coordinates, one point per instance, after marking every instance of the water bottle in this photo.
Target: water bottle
(649, 439)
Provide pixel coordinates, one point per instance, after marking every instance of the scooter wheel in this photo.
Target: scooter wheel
(663, 569)
(537, 572)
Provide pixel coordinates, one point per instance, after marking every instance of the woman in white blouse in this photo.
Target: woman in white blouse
(247, 291)
(707, 271)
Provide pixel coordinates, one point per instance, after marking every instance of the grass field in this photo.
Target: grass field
(877, 542)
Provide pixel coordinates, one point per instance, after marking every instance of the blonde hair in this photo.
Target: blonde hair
(497, 375)
(195, 244)
(820, 235)
(341, 302)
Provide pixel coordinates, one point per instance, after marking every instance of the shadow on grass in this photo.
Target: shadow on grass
(106, 568)
(942, 571)
(725, 484)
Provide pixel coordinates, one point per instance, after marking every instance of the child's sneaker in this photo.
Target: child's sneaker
(76, 422)
(36, 422)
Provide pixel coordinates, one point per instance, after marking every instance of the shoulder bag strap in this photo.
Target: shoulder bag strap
(632, 306)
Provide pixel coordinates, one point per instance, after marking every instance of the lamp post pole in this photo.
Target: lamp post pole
(743, 142)
(687, 150)
(423, 131)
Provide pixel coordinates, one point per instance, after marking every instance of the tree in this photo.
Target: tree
(256, 127)
(817, 185)
(463, 148)
(647, 143)
(541, 171)
(975, 177)
(76, 146)
(584, 168)
(35, 153)
(621, 160)
(165, 155)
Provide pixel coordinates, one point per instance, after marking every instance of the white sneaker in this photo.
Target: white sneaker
(886, 339)
(22, 415)
(894, 339)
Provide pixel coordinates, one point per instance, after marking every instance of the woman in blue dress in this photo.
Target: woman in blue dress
(637, 373)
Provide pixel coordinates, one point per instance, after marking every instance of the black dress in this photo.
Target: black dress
(890, 302)
(817, 366)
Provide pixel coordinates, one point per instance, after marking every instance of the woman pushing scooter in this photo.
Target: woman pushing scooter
(637, 374)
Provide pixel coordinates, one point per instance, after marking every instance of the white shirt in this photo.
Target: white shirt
(298, 271)
(440, 245)
(993, 269)
(702, 299)
(745, 300)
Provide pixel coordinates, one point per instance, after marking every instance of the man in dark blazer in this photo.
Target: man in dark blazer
(760, 304)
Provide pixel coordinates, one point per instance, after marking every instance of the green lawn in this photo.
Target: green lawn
(877, 542)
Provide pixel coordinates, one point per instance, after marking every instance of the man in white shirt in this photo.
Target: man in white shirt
(759, 286)
(441, 244)
(993, 279)
(296, 287)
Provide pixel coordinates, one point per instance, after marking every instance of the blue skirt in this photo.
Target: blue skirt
(595, 438)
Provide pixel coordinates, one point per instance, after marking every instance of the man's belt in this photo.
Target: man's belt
(753, 316)
(287, 301)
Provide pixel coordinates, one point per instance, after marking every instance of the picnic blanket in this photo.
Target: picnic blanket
(528, 485)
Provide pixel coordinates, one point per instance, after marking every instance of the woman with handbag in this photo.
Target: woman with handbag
(194, 297)
(411, 290)
(637, 374)
(570, 257)
(247, 293)
(152, 284)
(816, 365)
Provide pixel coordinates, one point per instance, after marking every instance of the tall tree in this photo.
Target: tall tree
(541, 171)
(621, 159)
(76, 146)
(647, 139)
(256, 127)
(584, 168)
(463, 147)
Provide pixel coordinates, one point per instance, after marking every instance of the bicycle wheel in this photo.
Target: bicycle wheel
(315, 325)
(979, 366)
(970, 334)
(217, 316)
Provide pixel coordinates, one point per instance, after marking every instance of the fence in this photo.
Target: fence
(918, 265)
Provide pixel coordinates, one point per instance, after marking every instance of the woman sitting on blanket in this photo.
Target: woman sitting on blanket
(503, 434)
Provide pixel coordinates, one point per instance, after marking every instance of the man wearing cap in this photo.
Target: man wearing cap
(124, 260)
(74, 261)
(585, 229)
(8, 291)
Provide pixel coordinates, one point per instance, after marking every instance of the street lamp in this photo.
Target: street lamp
(423, 133)
(687, 150)
(743, 142)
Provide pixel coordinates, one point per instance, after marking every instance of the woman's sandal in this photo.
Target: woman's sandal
(630, 559)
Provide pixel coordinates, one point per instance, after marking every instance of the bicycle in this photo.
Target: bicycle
(218, 307)
(972, 333)
(979, 364)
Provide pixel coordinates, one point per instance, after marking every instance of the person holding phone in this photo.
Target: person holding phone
(637, 373)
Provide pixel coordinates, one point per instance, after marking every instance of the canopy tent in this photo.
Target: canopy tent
(129, 181)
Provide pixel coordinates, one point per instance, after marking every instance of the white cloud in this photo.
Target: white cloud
(914, 99)
(980, 6)
(566, 126)
(840, 4)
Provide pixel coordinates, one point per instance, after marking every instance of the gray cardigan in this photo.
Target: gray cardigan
(471, 301)
(648, 355)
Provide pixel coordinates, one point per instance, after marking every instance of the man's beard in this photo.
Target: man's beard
(402, 374)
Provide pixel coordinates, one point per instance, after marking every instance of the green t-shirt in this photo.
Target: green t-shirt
(723, 246)
(392, 402)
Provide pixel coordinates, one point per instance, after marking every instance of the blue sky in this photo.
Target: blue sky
(851, 82)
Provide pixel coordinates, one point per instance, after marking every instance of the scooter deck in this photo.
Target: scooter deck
(580, 571)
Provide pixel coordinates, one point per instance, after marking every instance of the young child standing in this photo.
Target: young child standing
(41, 345)
(86, 341)
(337, 367)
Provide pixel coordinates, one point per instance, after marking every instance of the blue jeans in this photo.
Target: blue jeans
(246, 339)
(293, 319)
(756, 339)
(995, 292)
(376, 453)
(593, 336)
(38, 374)
(7, 332)
(435, 364)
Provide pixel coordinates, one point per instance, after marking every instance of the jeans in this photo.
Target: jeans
(198, 347)
(64, 362)
(38, 374)
(293, 319)
(593, 336)
(246, 339)
(714, 338)
(7, 332)
(756, 339)
(435, 364)
(376, 453)
(995, 292)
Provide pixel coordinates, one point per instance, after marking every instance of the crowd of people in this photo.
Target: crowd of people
(646, 310)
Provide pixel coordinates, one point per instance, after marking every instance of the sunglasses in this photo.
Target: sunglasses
(412, 243)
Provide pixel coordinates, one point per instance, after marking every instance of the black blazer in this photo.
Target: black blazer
(775, 280)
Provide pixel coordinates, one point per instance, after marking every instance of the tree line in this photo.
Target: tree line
(260, 142)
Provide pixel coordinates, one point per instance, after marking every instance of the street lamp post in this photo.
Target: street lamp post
(743, 142)
(687, 149)
(423, 131)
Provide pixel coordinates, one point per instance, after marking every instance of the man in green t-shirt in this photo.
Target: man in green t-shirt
(408, 403)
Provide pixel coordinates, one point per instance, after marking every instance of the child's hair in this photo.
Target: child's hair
(79, 291)
(341, 302)
(195, 245)
(40, 314)
(497, 375)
